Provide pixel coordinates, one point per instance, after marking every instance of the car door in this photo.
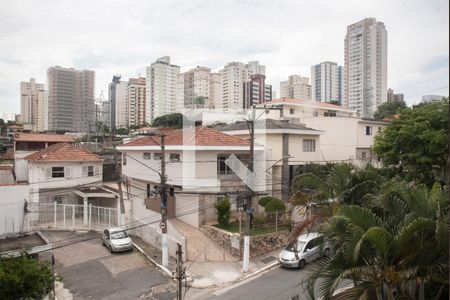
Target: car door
(315, 251)
(308, 251)
(105, 237)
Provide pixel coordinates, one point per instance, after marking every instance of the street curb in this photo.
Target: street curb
(153, 261)
(263, 269)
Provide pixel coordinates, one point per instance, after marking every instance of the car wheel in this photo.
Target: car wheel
(301, 264)
(111, 249)
(103, 242)
(327, 252)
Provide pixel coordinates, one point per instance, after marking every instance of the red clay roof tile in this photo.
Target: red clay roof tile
(63, 152)
(203, 136)
(43, 137)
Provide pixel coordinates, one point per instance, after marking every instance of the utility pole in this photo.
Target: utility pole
(250, 192)
(180, 272)
(249, 196)
(163, 194)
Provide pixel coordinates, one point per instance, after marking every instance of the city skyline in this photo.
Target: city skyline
(285, 49)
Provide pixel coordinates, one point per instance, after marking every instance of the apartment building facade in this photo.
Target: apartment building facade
(136, 100)
(256, 91)
(194, 88)
(366, 66)
(71, 101)
(327, 82)
(234, 75)
(161, 82)
(33, 105)
(296, 87)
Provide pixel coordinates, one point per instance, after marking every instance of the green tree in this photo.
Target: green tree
(275, 205)
(344, 184)
(122, 131)
(389, 109)
(171, 120)
(24, 278)
(223, 212)
(263, 201)
(199, 101)
(398, 244)
(416, 144)
(335, 102)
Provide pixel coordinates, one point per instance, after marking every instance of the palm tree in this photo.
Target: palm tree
(395, 249)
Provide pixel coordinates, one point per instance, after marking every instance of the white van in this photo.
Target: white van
(305, 249)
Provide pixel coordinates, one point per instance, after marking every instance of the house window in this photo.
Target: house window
(157, 156)
(57, 172)
(292, 111)
(124, 159)
(174, 157)
(363, 155)
(87, 171)
(309, 145)
(58, 199)
(90, 171)
(222, 167)
(368, 130)
(149, 192)
(147, 155)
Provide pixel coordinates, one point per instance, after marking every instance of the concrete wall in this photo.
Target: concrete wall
(12, 202)
(21, 165)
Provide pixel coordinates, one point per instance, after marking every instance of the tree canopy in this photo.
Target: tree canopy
(389, 109)
(171, 120)
(416, 143)
(24, 278)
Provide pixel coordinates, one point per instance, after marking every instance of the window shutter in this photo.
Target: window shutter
(67, 172)
(97, 170)
(48, 172)
(84, 171)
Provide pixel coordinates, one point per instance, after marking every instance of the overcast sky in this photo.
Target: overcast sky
(287, 36)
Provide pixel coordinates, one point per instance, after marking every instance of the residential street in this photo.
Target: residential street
(89, 271)
(278, 283)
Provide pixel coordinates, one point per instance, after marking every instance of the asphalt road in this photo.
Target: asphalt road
(278, 283)
(89, 271)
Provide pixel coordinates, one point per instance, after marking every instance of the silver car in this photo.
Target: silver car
(305, 249)
(116, 240)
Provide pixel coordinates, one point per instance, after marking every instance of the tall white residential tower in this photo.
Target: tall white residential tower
(33, 105)
(366, 66)
(161, 81)
(327, 82)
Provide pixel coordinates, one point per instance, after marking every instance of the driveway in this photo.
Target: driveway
(89, 271)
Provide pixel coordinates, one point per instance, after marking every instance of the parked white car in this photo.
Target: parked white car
(308, 247)
(116, 240)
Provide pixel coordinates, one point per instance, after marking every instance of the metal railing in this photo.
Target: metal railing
(72, 216)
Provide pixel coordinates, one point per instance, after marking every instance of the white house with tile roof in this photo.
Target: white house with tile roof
(346, 137)
(196, 171)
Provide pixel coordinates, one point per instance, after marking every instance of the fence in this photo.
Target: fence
(272, 222)
(72, 216)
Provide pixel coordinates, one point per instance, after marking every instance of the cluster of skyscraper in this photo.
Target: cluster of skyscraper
(69, 104)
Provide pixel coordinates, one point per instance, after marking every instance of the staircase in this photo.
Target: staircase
(199, 246)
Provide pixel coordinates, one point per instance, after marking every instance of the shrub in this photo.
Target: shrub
(275, 205)
(223, 212)
(264, 200)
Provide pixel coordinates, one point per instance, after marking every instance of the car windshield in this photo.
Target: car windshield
(118, 235)
(291, 248)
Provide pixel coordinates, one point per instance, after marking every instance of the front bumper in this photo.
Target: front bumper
(288, 263)
(119, 248)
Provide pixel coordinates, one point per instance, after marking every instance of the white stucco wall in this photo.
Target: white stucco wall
(12, 202)
(38, 177)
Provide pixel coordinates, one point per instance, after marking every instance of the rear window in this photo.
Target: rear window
(118, 235)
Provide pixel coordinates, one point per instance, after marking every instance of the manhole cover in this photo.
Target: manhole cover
(268, 259)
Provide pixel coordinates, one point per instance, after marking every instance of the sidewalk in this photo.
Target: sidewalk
(205, 274)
